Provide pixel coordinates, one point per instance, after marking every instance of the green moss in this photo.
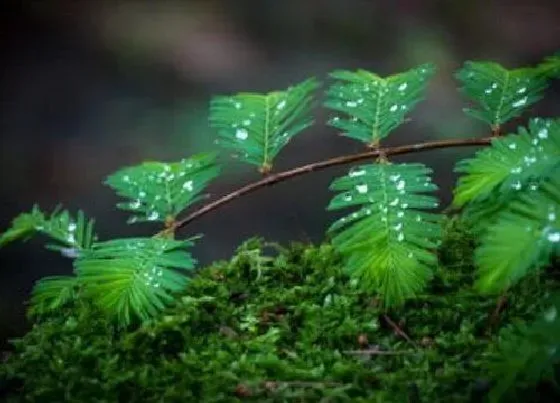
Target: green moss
(276, 324)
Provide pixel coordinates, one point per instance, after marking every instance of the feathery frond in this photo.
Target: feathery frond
(511, 163)
(159, 191)
(551, 66)
(525, 237)
(258, 126)
(374, 106)
(52, 292)
(136, 276)
(527, 353)
(501, 94)
(389, 241)
(71, 235)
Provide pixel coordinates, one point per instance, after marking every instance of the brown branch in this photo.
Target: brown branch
(398, 330)
(316, 166)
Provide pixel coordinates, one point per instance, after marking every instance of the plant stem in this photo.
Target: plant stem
(316, 166)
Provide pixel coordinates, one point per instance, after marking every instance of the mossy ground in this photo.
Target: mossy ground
(278, 324)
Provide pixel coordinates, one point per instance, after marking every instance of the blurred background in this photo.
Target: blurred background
(88, 87)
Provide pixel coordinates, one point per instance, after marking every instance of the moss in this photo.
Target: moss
(276, 324)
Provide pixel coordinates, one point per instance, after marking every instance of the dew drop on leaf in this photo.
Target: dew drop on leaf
(519, 103)
(188, 185)
(241, 134)
(394, 108)
(362, 188)
(403, 86)
(543, 133)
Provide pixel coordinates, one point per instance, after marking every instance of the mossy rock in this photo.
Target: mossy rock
(277, 324)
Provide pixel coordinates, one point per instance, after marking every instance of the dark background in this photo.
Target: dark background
(90, 86)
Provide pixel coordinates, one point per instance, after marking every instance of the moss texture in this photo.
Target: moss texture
(278, 324)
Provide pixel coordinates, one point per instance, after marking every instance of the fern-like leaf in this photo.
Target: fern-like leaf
(374, 106)
(551, 66)
(159, 191)
(525, 237)
(501, 94)
(71, 235)
(389, 241)
(51, 293)
(512, 163)
(527, 353)
(258, 126)
(135, 277)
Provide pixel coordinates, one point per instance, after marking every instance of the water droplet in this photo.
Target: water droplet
(281, 105)
(516, 170)
(398, 227)
(72, 227)
(554, 237)
(362, 188)
(71, 238)
(126, 178)
(529, 160)
(516, 185)
(400, 214)
(394, 202)
(347, 197)
(351, 104)
(494, 85)
(356, 172)
(237, 105)
(134, 205)
(141, 194)
(400, 185)
(519, 103)
(154, 215)
(394, 108)
(394, 178)
(241, 134)
(488, 90)
(543, 133)
(551, 314)
(521, 90)
(512, 146)
(551, 216)
(246, 122)
(403, 86)
(188, 185)
(400, 237)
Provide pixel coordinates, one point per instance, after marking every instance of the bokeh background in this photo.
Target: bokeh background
(90, 86)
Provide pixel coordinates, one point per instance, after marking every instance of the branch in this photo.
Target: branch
(316, 166)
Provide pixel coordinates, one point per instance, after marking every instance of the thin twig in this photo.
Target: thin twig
(398, 330)
(316, 166)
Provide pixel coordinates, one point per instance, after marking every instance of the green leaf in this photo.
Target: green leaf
(527, 353)
(374, 106)
(72, 235)
(389, 241)
(551, 66)
(159, 191)
(525, 237)
(511, 163)
(51, 293)
(258, 126)
(136, 276)
(23, 226)
(501, 94)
